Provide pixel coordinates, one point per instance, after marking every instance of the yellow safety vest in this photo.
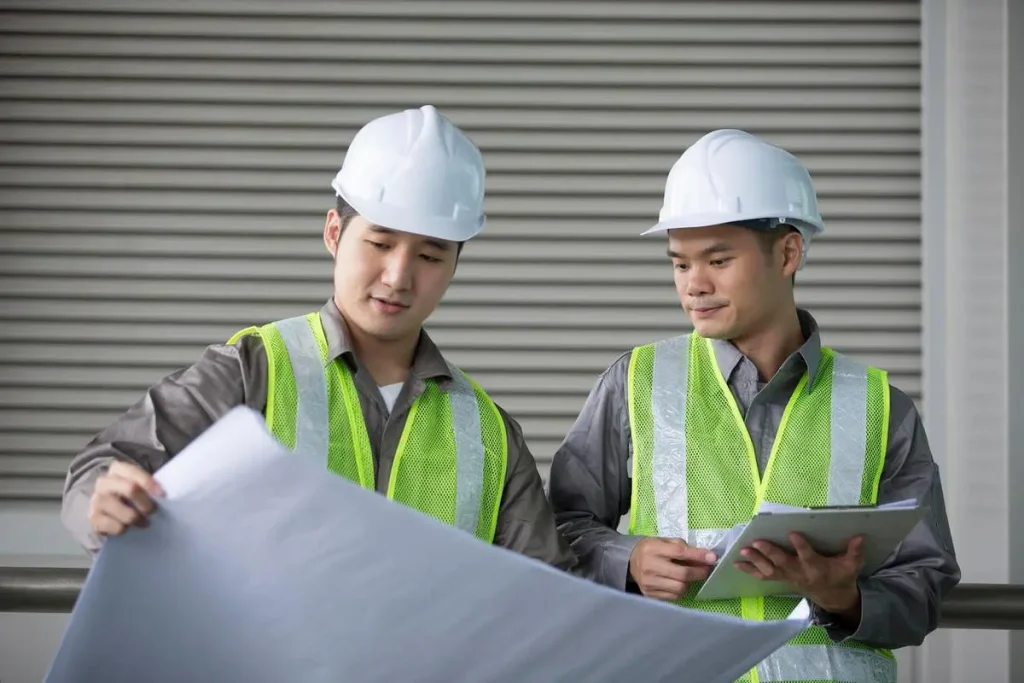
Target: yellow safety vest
(452, 455)
(829, 450)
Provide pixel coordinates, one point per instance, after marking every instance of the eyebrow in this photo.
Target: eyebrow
(437, 244)
(716, 248)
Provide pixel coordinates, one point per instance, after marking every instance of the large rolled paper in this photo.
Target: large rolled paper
(261, 565)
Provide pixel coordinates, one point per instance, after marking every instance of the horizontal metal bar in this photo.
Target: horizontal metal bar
(991, 606)
(968, 606)
(40, 589)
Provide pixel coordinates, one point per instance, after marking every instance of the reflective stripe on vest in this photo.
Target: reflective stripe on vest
(311, 417)
(695, 475)
(826, 663)
(451, 458)
(469, 451)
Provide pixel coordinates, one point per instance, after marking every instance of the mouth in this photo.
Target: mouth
(704, 311)
(389, 306)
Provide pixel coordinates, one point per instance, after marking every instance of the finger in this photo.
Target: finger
(663, 596)
(678, 549)
(134, 473)
(749, 569)
(760, 562)
(112, 505)
(115, 520)
(127, 489)
(803, 549)
(855, 553)
(661, 568)
(678, 574)
(773, 553)
(700, 573)
(667, 586)
(855, 548)
(105, 525)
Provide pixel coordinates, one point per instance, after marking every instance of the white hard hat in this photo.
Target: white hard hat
(731, 176)
(415, 171)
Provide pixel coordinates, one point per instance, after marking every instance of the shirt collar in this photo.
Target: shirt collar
(806, 358)
(427, 362)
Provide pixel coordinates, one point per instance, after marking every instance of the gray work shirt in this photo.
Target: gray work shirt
(591, 491)
(184, 404)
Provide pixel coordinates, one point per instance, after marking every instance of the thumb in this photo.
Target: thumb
(855, 549)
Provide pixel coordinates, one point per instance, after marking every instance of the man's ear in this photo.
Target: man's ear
(332, 232)
(792, 245)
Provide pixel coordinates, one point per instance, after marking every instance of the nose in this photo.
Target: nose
(398, 270)
(698, 282)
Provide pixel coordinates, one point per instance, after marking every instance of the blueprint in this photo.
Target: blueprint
(261, 565)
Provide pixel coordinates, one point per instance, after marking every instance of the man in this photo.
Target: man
(358, 385)
(690, 434)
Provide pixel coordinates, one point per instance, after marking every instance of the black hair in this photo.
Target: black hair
(346, 213)
(768, 232)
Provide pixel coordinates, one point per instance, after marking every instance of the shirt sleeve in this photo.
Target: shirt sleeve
(900, 603)
(167, 418)
(526, 523)
(590, 484)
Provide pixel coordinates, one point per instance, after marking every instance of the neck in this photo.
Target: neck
(387, 360)
(770, 346)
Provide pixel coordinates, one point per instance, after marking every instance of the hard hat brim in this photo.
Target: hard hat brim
(712, 219)
(394, 218)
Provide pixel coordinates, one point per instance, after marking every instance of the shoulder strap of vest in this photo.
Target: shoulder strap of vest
(281, 375)
(849, 360)
(464, 384)
(645, 359)
(875, 383)
(247, 332)
(477, 419)
(842, 363)
(679, 341)
(682, 339)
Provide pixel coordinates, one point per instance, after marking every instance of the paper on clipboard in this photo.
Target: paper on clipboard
(827, 529)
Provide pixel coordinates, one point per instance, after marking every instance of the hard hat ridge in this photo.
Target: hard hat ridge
(730, 176)
(415, 171)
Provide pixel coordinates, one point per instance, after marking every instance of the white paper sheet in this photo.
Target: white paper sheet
(261, 565)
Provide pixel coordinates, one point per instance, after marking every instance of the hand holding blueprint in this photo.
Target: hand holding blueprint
(261, 565)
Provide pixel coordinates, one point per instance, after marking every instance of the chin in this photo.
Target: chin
(712, 330)
(390, 329)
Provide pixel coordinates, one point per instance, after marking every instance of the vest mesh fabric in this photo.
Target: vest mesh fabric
(424, 473)
(722, 484)
(427, 454)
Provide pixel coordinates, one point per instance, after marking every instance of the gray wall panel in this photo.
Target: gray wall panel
(164, 170)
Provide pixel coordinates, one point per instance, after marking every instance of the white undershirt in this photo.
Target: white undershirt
(390, 394)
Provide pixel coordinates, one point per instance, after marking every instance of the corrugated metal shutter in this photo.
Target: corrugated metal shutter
(165, 168)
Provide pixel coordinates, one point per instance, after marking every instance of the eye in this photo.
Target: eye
(721, 261)
(680, 266)
(430, 259)
(378, 245)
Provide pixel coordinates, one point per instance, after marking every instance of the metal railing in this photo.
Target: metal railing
(968, 606)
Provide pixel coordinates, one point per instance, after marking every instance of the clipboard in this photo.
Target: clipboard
(828, 530)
